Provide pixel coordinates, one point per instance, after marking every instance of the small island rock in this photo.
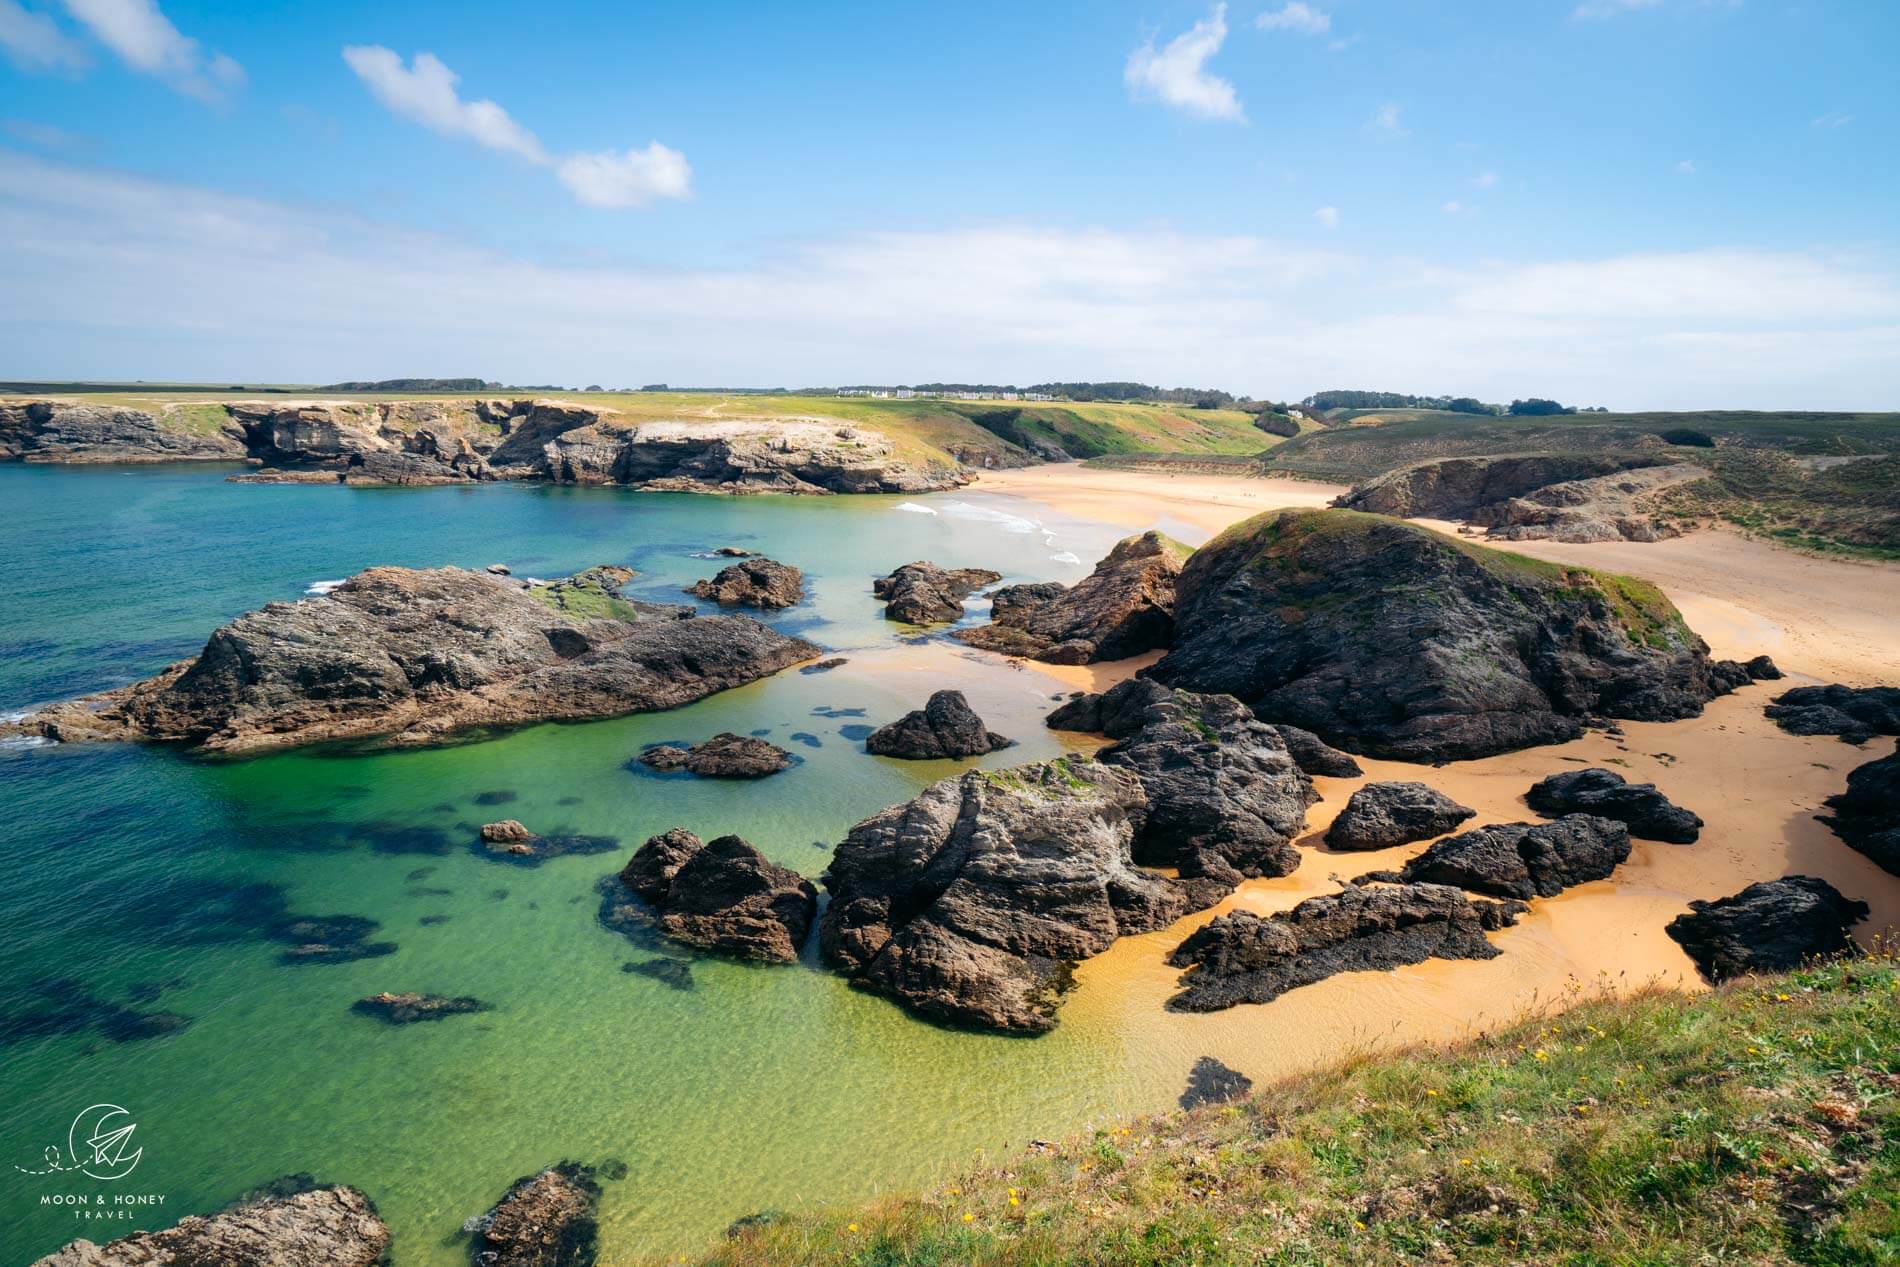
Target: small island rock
(755, 582)
(922, 593)
(548, 1219)
(946, 726)
(1121, 609)
(1381, 815)
(723, 896)
(724, 756)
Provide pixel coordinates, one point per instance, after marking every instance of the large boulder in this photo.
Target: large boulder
(1770, 926)
(1121, 609)
(754, 582)
(1867, 814)
(1856, 714)
(722, 896)
(317, 1227)
(724, 756)
(1241, 957)
(408, 657)
(1521, 860)
(1381, 815)
(970, 902)
(550, 1219)
(923, 594)
(946, 726)
(1299, 612)
(1605, 793)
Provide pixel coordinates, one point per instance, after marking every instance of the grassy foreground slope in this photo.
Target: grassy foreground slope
(1757, 1124)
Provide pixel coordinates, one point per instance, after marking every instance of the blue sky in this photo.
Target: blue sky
(1648, 203)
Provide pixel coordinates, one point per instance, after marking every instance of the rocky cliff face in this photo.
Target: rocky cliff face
(50, 431)
(407, 657)
(323, 1227)
(1297, 613)
(1121, 609)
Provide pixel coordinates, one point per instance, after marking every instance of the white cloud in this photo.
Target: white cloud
(1832, 121)
(258, 290)
(632, 179)
(1453, 207)
(425, 92)
(1295, 16)
(1611, 8)
(1484, 180)
(1328, 217)
(1388, 120)
(1178, 76)
(33, 42)
(145, 39)
(1686, 167)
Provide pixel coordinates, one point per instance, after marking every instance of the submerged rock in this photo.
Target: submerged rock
(1867, 814)
(408, 657)
(508, 841)
(922, 593)
(1391, 639)
(1770, 926)
(506, 832)
(1642, 806)
(329, 939)
(1241, 957)
(722, 896)
(724, 756)
(1121, 609)
(1521, 860)
(319, 1227)
(754, 582)
(1315, 756)
(545, 1220)
(406, 1009)
(946, 726)
(1381, 815)
(1856, 714)
(1211, 1082)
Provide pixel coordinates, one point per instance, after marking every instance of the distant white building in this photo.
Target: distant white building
(1037, 396)
(905, 393)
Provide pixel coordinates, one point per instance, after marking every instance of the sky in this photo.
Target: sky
(1636, 203)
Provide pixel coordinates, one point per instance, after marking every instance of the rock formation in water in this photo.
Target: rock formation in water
(1223, 797)
(970, 902)
(1241, 957)
(946, 726)
(1520, 860)
(721, 896)
(924, 594)
(1211, 1082)
(1856, 714)
(550, 1219)
(754, 582)
(1381, 815)
(407, 1009)
(1641, 806)
(1121, 609)
(409, 657)
(1770, 926)
(724, 756)
(320, 1227)
(1387, 638)
(54, 431)
(1867, 814)
(1315, 756)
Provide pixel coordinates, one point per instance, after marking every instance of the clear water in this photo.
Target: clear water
(757, 1088)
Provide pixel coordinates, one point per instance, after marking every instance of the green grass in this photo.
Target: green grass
(1759, 1123)
(1851, 508)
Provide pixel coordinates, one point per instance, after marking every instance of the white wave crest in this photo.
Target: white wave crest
(914, 508)
(321, 588)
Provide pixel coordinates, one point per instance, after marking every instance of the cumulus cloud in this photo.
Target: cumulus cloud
(1177, 75)
(145, 39)
(425, 92)
(1295, 16)
(33, 42)
(255, 289)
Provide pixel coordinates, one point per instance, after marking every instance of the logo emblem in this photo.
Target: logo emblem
(99, 1145)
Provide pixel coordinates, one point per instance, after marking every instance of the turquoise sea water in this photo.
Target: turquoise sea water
(141, 881)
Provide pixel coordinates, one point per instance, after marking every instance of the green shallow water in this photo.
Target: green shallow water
(137, 874)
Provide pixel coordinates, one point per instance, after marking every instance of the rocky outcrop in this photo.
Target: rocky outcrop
(1381, 815)
(548, 1219)
(1224, 798)
(319, 1227)
(1867, 814)
(408, 657)
(722, 896)
(508, 831)
(1298, 612)
(924, 594)
(969, 903)
(1121, 609)
(734, 456)
(1770, 926)
(1640, 806)
(754, 582)
(1521, 860)
(724, 756)
(58, 431)
(1616, 507)
(1315, 756)
(1241, 957)
(1856, 714)
(946, 726)
(407, 1009)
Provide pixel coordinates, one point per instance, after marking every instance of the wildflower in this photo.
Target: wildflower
(851, 1227)
(1781, 998)
(1014, 1201)
(1361, 1226)
(1464, 1161)
(1431, 1092)
(968, 1217)
(1539, 1054)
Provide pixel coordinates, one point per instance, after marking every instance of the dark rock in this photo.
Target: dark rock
(1641, 806)
(1523, 860)
(664, 757)
(532, 850)
(1867, 814)
(406, 1009)
(751, 1223)
(1121, 609)
(722, 896)
(1241, 957)
(1315, 756)
(401, 470)
(676, 973)
(319, 1227)
(1856, 714)
(55, 431)
(733, 552)
(1211, 1082)
(946, 726)
(545, 1220)
(316, 939)
(756, 582)
(724, 756)
(1381, 815)
(499, 796)
(1299, 612)
(1770, 926)
(63, 1007)
(1762, 669)
(922, 593)
(825, 666)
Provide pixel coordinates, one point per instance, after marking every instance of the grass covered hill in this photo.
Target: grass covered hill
(1756, 1124)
